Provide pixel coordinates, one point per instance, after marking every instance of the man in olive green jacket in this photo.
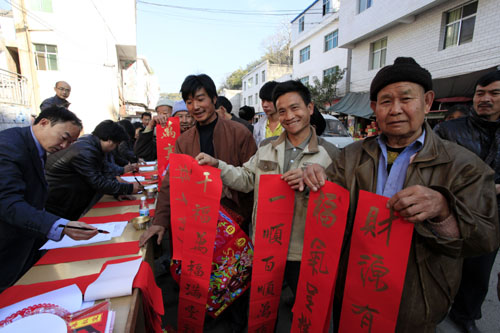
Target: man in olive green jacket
(297, 147)
(447, 191)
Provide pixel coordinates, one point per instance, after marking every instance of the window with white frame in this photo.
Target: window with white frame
(46, 57)
(250, 82)
(326, 7)
(263, 76)
(250, 100)
(244, 101)
(257, 79)
(244, 85)
(331, 40)
(305, 54)
(378, 51)
(460, 25)
(304, 80)
(364, 5)
(330, 71)
(301, 24)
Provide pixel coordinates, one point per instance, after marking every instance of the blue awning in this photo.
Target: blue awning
(355, 104)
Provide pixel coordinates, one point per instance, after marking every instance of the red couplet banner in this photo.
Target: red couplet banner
(165, 142)
(376, 269)
(272, 237)
(200, 195)
(325, 225)
(180, 175)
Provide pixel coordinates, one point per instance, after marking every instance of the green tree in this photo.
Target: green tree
(324, 92)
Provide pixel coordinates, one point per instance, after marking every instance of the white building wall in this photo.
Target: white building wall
(379, 16)
(272, 72)
(423, 40)
(86, 39)
(314, 36)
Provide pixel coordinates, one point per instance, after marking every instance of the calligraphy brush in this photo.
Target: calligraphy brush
(82, 228)
(137, 180)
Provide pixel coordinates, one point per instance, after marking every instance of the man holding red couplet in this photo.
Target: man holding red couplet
(286, 154)
(447, 191)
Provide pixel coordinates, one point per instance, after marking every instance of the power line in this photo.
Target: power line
(283, 12)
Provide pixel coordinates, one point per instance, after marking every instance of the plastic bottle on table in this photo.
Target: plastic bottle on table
(143, 207)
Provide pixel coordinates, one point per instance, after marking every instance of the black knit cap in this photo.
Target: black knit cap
(404, 69)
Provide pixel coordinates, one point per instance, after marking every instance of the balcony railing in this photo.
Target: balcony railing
(13, 88)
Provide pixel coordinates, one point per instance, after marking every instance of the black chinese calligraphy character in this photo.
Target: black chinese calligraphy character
(263, 329)
(371, 220)
(192, 312)
(311, 291)
(304, 323)
(200, 241)
(266, 289)
(195, 269)
(274, 234)
(269, 263)
(201, 213)
(324, 207)
(193, 289)
(374, 271)
(265, 310)
(187, 328)
(316, 260)
(367, 318)
(387, 221)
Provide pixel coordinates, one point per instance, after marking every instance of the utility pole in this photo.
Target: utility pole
(26, 54)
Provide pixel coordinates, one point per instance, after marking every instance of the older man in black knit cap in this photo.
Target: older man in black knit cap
(445, 190)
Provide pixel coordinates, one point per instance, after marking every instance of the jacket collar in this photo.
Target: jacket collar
(432, 152)
(311, 148)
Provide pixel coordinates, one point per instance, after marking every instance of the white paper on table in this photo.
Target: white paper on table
(87, 305)
(41, 322)
(69, 298)
(148, 168)
(114, 281)
(131, 179)
(150, 162)
(151, 186)
(115, 229)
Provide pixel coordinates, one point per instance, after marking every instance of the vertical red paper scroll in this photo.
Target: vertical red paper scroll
(201, 196)
(272, 236)
(324, 233)
(180, 172)
(376, 269)
(165, 142)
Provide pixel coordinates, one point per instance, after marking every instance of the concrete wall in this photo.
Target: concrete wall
(87, 53)
(422, 40)
(380, 15)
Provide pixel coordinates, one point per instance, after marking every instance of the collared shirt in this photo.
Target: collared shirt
(55, 232)
(277, 131)
(292, 152)
(392, 183)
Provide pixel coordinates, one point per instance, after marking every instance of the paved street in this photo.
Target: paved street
(490, 323)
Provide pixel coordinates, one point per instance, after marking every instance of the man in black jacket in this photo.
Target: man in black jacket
(79, 175)
(480, 133)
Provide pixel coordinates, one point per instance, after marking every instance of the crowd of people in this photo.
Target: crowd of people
(445, 180)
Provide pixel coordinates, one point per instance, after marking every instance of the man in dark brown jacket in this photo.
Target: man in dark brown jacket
(223, 139)
(447, 191)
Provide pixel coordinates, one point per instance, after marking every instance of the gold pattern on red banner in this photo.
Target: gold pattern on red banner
(325, 225)
(199, 202)
(272, 237)
(376, 270)
(165, 142)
